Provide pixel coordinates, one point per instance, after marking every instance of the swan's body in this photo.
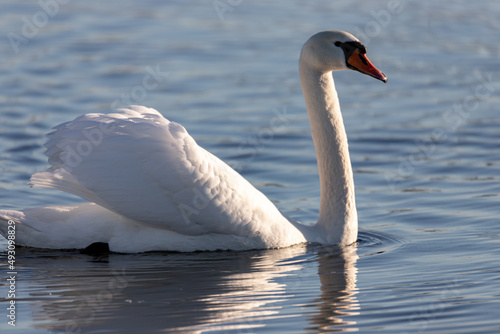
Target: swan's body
(151, 187)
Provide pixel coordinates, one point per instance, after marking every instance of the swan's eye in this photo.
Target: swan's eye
(337, 43)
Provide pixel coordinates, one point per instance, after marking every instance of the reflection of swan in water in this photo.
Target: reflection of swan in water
(234, 291)
(337, 299)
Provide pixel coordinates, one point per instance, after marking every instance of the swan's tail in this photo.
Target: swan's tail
(13, 228)
(5, 222)
(58, 227)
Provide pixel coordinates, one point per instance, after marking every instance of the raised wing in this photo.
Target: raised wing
(148, 169)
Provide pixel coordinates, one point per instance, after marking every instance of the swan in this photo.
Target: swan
(150, 187)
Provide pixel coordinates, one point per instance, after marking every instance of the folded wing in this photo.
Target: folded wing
(140, 165)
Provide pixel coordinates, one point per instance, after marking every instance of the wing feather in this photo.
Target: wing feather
(140, 165)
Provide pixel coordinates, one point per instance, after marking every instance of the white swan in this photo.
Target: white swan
(151, 187)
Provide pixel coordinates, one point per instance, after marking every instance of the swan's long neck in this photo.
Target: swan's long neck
(337, 212)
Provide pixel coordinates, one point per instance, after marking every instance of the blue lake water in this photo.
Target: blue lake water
(424, 148)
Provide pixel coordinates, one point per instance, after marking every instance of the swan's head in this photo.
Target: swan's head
(337, 50)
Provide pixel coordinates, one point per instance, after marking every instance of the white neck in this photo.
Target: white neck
(338, 221)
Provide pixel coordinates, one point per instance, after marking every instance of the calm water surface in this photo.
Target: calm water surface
(424, 148)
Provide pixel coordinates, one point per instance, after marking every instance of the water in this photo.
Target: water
(424, 149)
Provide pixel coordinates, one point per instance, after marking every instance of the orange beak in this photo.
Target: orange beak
(358, 61)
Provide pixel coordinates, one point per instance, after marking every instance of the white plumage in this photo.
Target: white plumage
(151, 187)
